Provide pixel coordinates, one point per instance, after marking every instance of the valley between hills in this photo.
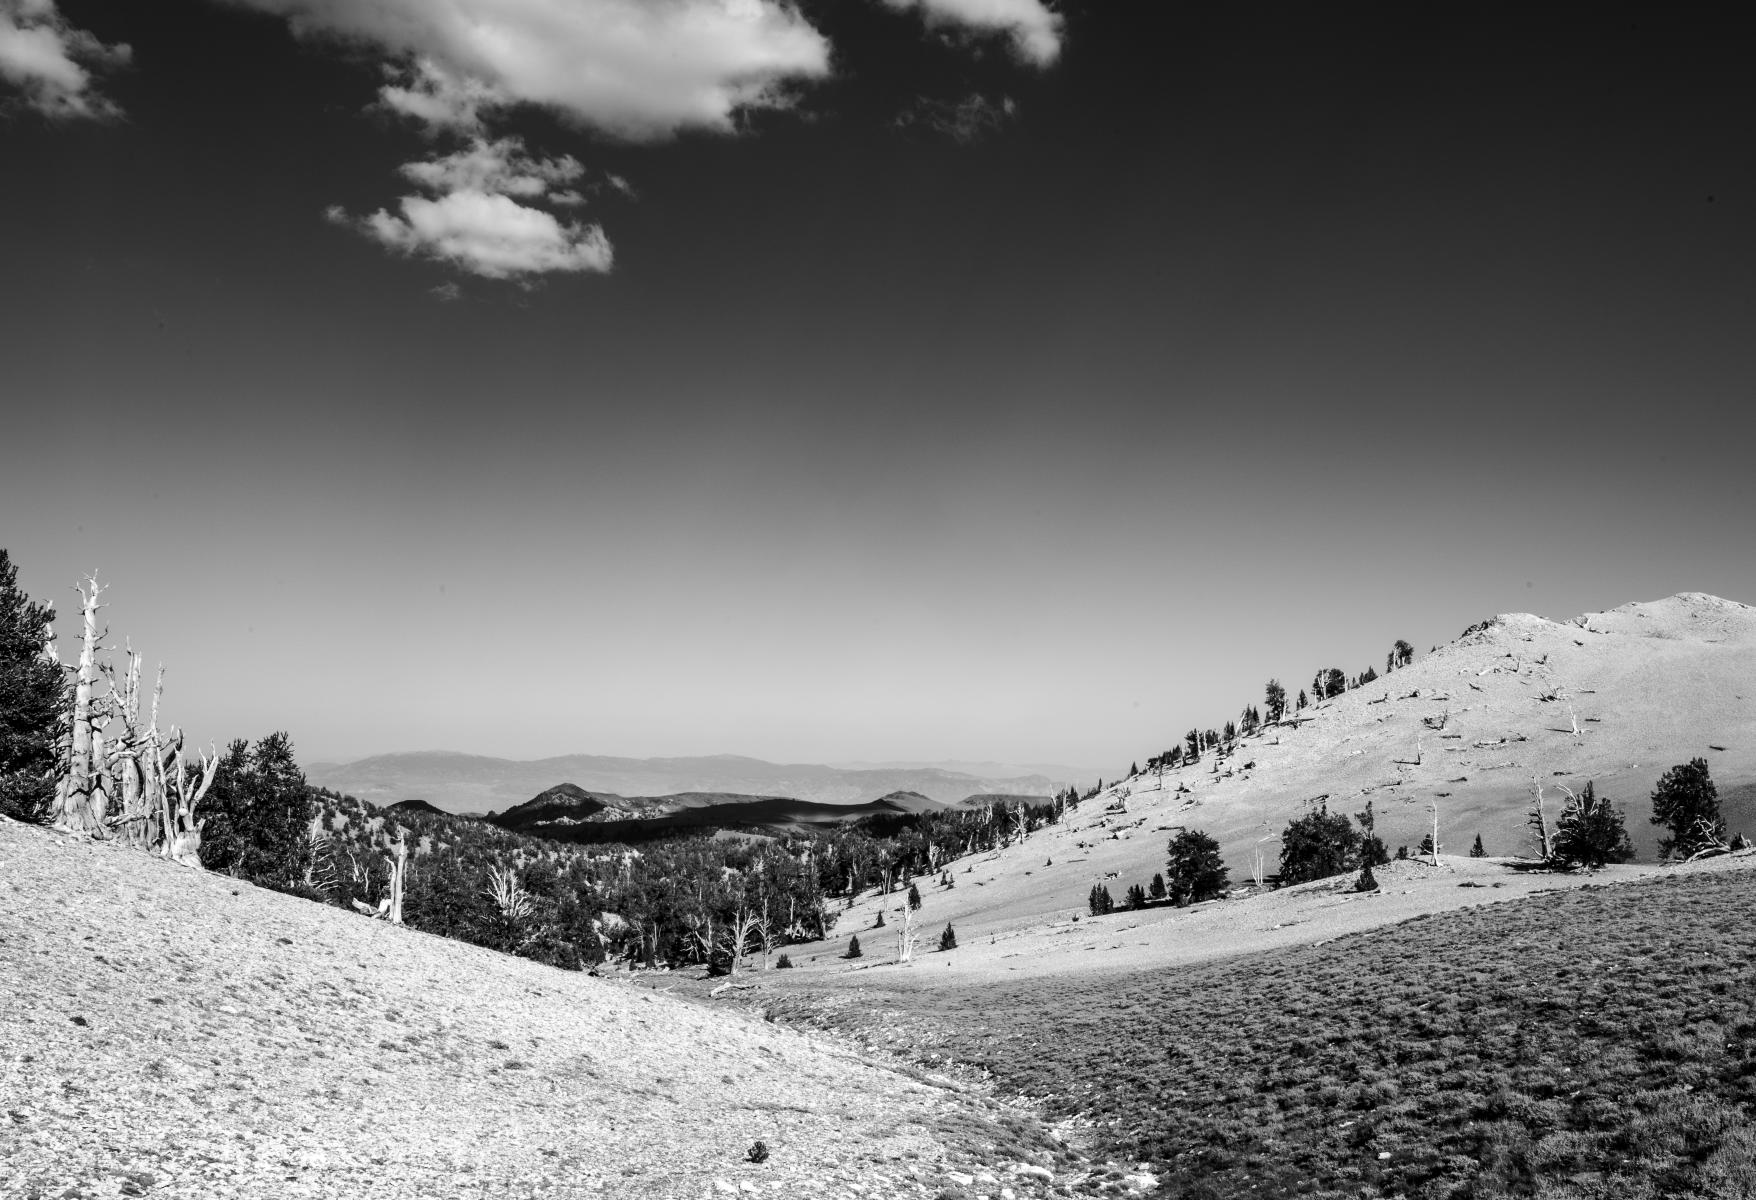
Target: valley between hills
(1473, 1026)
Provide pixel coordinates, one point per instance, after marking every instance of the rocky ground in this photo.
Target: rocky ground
(165, 1032)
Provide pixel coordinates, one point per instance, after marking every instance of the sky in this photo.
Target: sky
(861, 379)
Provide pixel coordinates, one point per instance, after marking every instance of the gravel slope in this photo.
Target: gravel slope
(170, 1033)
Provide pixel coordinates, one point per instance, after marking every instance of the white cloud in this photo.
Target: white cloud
(500, 166)
(636, 68)
(489, 235)
(41, 55)
(475, 224)
(1035, 31)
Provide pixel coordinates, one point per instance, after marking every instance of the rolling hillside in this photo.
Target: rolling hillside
(1471, 727)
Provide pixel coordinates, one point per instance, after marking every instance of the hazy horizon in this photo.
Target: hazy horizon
(1024, 391)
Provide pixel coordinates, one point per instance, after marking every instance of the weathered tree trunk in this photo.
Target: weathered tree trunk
(73, 801)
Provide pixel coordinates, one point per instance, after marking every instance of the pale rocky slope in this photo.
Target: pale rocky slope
(1652, 685)
(170, 1033)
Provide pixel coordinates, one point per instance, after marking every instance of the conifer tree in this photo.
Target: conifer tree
(1158, 886)
(1275, 701)
(854, 950)
(948, 939)
(1590, 832)
(1687, 804)
(914, 896)
(1196, 870)
(32, 702)
(1478, 850)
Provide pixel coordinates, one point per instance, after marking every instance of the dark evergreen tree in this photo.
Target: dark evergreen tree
(1135, 898)
(1478, 850)
(1687, 804)
(1334, 683)
(258, 812)
(33, 704)
(1372, 850)
(1405, 653)
(914, 896)
(854, 950)
(1318, 845)
(1133, 770)
(1158, 886)
(1275, 701)
(1402, 854)
(1099, 901)
(1590, 832)
(1193, 738)
(1196, 870)
(1302, 702)
(948, 939)
(879, 923)
(1426, 847)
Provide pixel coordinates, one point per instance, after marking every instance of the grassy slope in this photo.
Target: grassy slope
(1589, 1043)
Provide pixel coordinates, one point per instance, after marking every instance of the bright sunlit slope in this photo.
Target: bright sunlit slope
(1471, 727)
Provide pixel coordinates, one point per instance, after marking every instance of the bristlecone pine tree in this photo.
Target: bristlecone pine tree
(32, 701)
(1590, 832)
(1478, 850)
(119, 776)
(1687, 804)
(1196, 870)
(854, 950)
(948, 939)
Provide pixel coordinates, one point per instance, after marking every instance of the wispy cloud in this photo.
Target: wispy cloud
(964, 120)
(1035, 30)
(474, 222)
(51, 62)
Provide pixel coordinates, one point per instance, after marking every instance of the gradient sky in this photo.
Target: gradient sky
(1027, 391)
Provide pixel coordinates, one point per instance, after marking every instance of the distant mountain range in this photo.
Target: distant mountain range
(479, 784)
(569, 813)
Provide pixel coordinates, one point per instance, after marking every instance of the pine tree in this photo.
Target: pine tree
(1135, 898)
(1478, 850)
(879, 923)
(1158, 886)
(1303, 703)
(1590, 832)
(854, 950)
(1275, 701)
(1687, 803)
(948, 939)
(258, 811)
(1196, 870)
(1426, 846)
(32, 702)
(914, 896)
(1317, 846)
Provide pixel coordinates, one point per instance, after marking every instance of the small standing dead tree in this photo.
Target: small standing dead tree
(906, 936)
(1539, 823)
(389, 906)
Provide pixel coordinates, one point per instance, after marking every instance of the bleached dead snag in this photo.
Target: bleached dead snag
(1539, 823)
(906, 936)
(746, 923)
(507, 894)
(182, 842)
(389, 906)
(76, 808)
